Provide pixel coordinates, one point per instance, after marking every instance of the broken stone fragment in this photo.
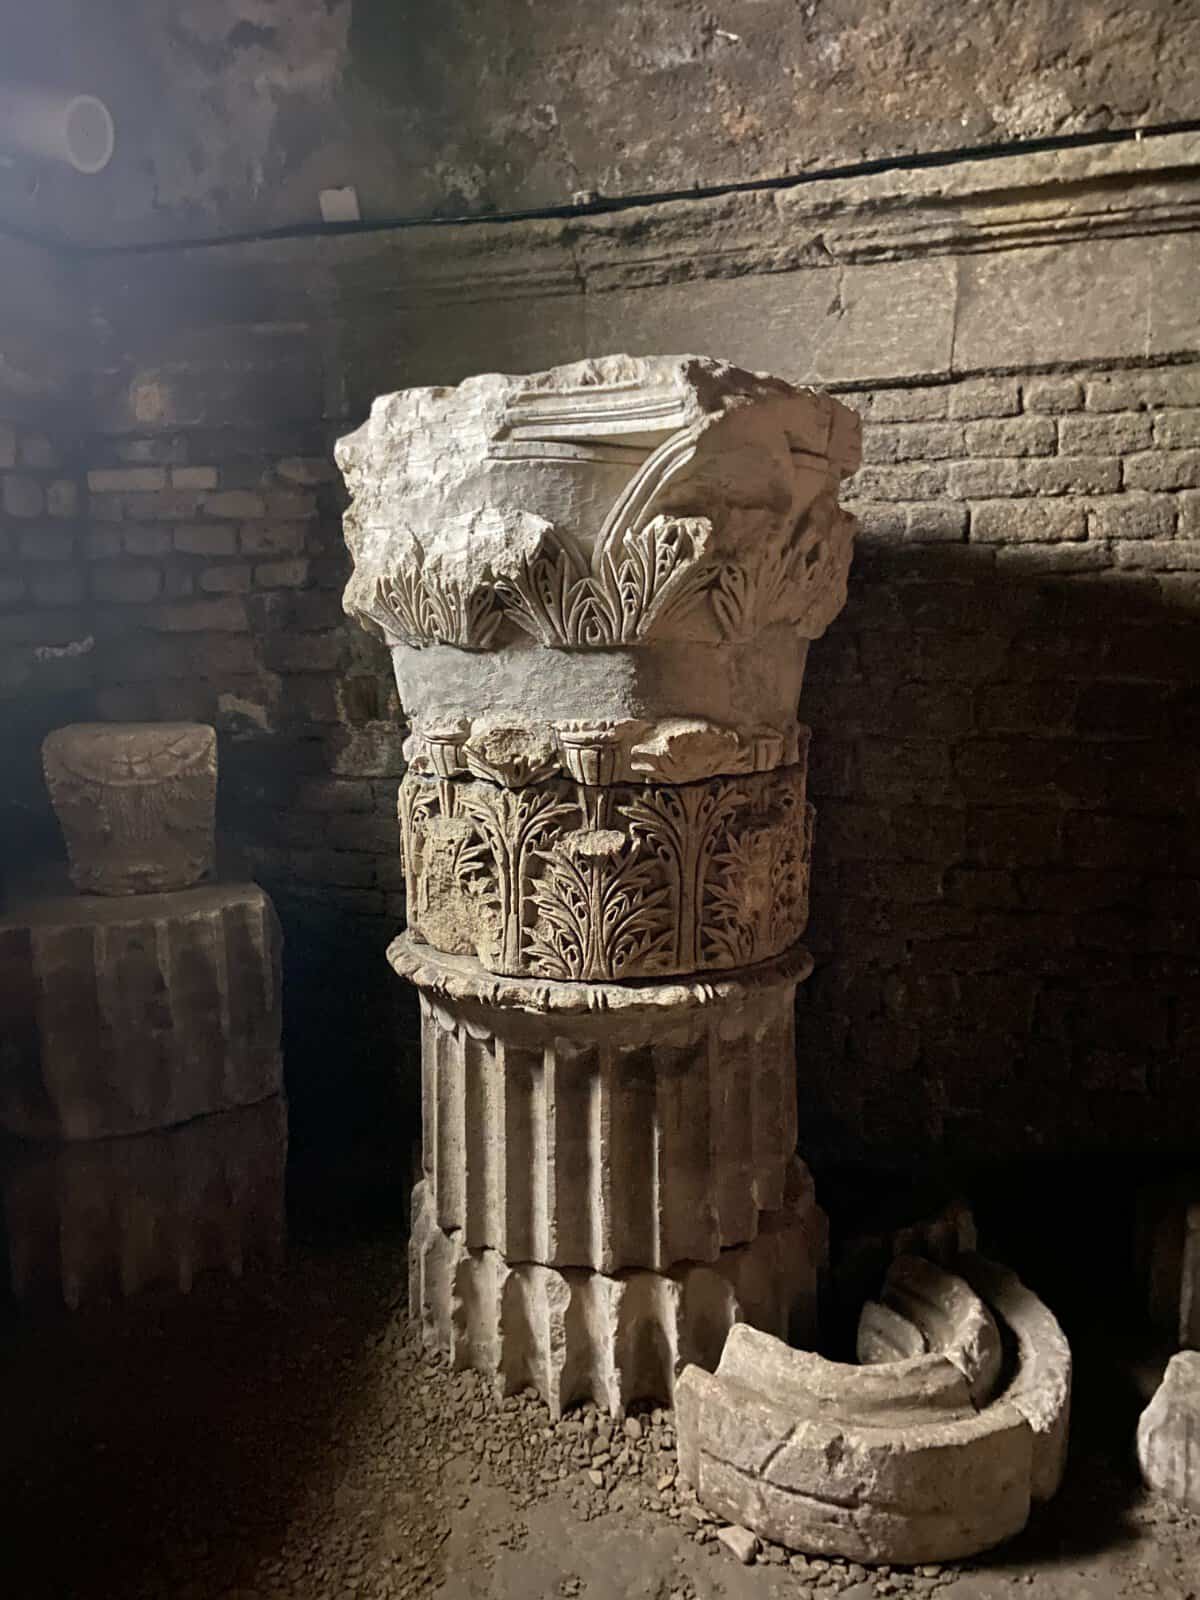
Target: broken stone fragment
(951, 1317)
(1040, 1386)
(740, 1542)
(136, 803)
(665, 528)
(931, 1457)
(1168, 1433)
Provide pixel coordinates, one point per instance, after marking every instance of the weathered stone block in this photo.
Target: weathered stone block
(281, 574)
(1168, 1433)
(1100, 436)
(1033, 521)
(156, 1210)
(197, 539)
(135, 802)
(146, 541)
(930, 441)
(1177, 430)
(126, 480)
(1133, 516)
(134, 1013)
(56, 586)
(1012, 436)
(193, 477)
(1052, 396)
(924, 404)
(1163, 469)
(985, 397)
(1133, 391)
(929, 1457)
(126, 584)
(273, 538)
(238, 504)
(45, 544)
(22, 496)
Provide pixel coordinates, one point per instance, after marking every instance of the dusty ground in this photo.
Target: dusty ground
(283, 1438)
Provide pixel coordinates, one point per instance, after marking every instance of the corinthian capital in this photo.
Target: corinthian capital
(627, 539)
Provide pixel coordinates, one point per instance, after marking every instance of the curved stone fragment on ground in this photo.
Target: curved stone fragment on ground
(928, 1458)
(951, 1318)
(1041, 1386)
(1168, 1433)
(884, 1335)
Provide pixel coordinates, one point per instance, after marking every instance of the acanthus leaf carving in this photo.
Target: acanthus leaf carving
(580, 883)
(423, 607)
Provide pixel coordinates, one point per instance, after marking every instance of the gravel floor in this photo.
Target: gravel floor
(283, 1438)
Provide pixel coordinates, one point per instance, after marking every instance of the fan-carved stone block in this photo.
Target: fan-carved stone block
(626, 539)
(136, 803)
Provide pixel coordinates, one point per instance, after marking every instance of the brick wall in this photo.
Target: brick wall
(1007, 715)
(45, 634)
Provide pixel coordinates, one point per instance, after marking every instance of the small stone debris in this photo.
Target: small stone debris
(740, 1542)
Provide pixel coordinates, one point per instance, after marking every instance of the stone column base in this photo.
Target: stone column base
(111, 1217)
(576, 1335)
(127, 1015)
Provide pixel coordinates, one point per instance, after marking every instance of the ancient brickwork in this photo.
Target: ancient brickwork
(215, 569)
(1005, 884)
(45, 635)
(42, 587)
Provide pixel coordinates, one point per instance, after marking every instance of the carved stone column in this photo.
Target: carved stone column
(598, 585)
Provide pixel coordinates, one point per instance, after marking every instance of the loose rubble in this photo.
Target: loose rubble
(287, 1441)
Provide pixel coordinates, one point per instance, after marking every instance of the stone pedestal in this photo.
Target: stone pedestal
(116, 1216)
(135, 1013)
(141, 1079)
(598, 585)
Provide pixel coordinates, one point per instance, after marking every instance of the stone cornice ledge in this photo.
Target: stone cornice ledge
(1056, 258)
(1111, 190)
